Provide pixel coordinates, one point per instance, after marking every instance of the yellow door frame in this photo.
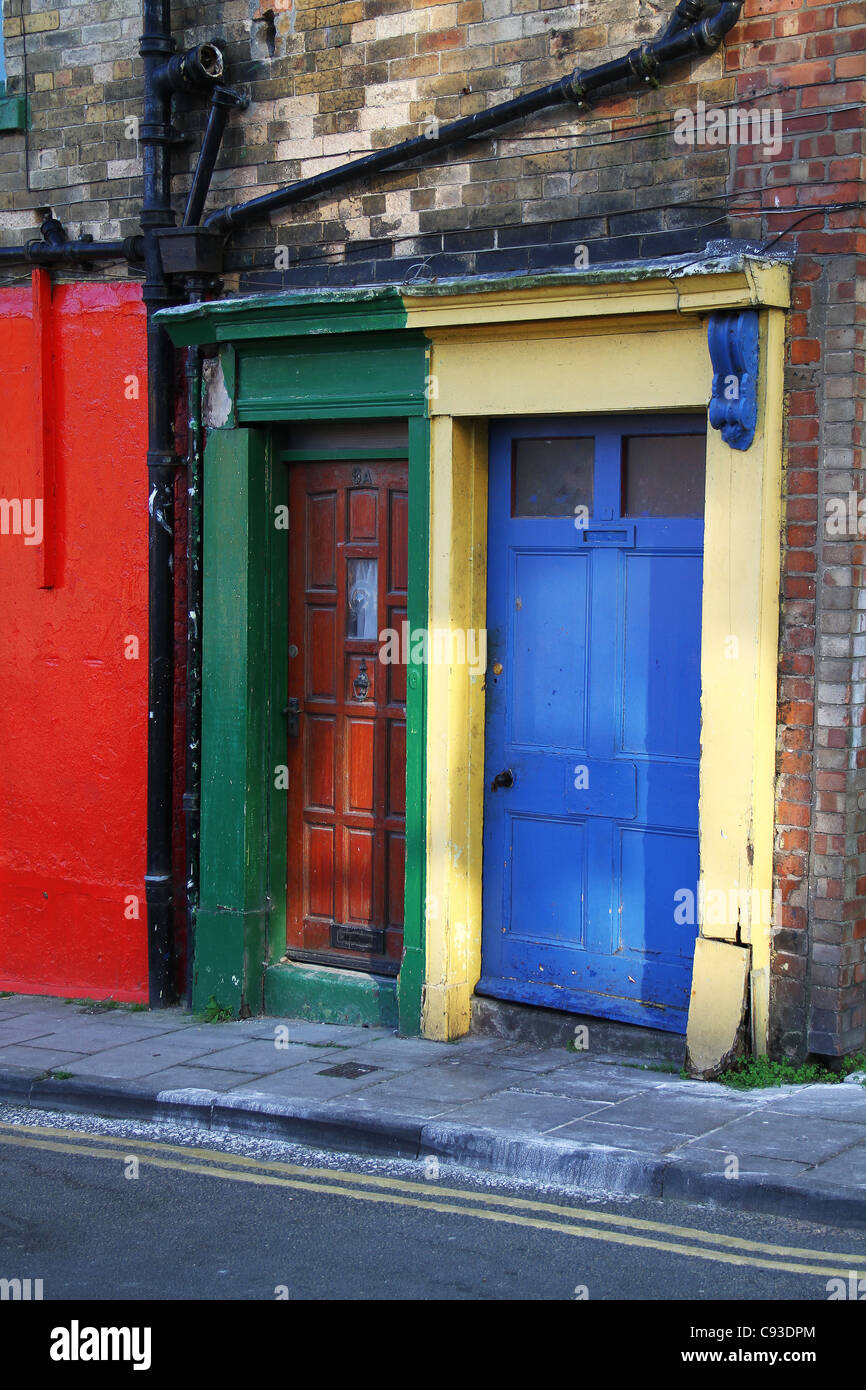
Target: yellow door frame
(612, 343)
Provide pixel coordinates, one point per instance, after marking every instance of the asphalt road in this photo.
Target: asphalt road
(102, 1210)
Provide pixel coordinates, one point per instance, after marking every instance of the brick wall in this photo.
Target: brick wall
(329, 82)
(347, 78)
(814, 54)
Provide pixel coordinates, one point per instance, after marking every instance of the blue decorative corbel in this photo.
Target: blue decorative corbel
(733, 340)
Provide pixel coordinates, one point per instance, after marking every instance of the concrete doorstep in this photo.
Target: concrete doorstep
(598, 1122)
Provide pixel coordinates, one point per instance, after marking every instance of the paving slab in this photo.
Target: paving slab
(537, 1062)
(594, 1132)
(452, 1080)
(768, 1134)
(402, 1054)
(160, 1021)
(199, 1078)
(41, 1059)
(522, 1111)
(93, 1036)
(683, 1114)
(406, 1106)
(307, 1082)
(562, 1082)
(640, 1078)
(324, 1034)
(35, 1003)
(24, 1028)
(833, 1102)
(138, 1059)
(751, 1169)
(847, 1168)
(470, 1046)
(261, 1058)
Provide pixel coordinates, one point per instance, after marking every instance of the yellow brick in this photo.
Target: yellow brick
(12, 28)
(43, 81)
(41, 23)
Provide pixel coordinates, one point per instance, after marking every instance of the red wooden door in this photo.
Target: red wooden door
(347, 761)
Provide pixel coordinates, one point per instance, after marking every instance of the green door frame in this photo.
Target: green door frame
(240, 923)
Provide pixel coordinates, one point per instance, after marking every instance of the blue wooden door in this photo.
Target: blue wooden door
(595, 543)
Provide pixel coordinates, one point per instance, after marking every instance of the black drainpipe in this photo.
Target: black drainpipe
(164, 74)
(156, 48)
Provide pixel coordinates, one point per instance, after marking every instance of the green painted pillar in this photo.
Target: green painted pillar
(410, 983)
(232, 920)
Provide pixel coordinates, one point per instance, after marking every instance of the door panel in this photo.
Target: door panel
(593, 706)
(347, 763)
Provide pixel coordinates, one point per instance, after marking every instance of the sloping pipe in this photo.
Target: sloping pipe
(679, 39)
(222, 100)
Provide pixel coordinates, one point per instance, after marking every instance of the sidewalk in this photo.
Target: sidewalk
(594, 1121)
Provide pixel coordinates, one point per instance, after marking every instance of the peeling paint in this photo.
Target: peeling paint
(217, 402)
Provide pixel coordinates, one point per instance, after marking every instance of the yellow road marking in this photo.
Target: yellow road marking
(403, 1185)
(101, 1149)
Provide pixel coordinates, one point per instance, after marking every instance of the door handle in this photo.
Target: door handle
(292, 712)
(502, 779)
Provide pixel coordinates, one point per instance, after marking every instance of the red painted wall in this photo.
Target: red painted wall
(73, 707)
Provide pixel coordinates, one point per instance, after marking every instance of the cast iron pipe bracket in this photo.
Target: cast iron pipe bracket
(644, 63)
(229, 96)
(574, 90)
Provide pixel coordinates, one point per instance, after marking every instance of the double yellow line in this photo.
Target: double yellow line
(582, 1222)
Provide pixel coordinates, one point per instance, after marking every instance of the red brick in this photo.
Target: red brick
(800, 562)
(854, 65)
(794, 712)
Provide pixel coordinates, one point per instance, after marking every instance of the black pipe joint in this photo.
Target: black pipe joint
(197, 70)
(687, 13)
(644, 63)
(163, 460)
(574, 90)
(228, 96)
(711, 31)
(155, 45)
(53, 232)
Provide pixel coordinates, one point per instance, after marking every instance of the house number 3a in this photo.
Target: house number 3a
(361, 476)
